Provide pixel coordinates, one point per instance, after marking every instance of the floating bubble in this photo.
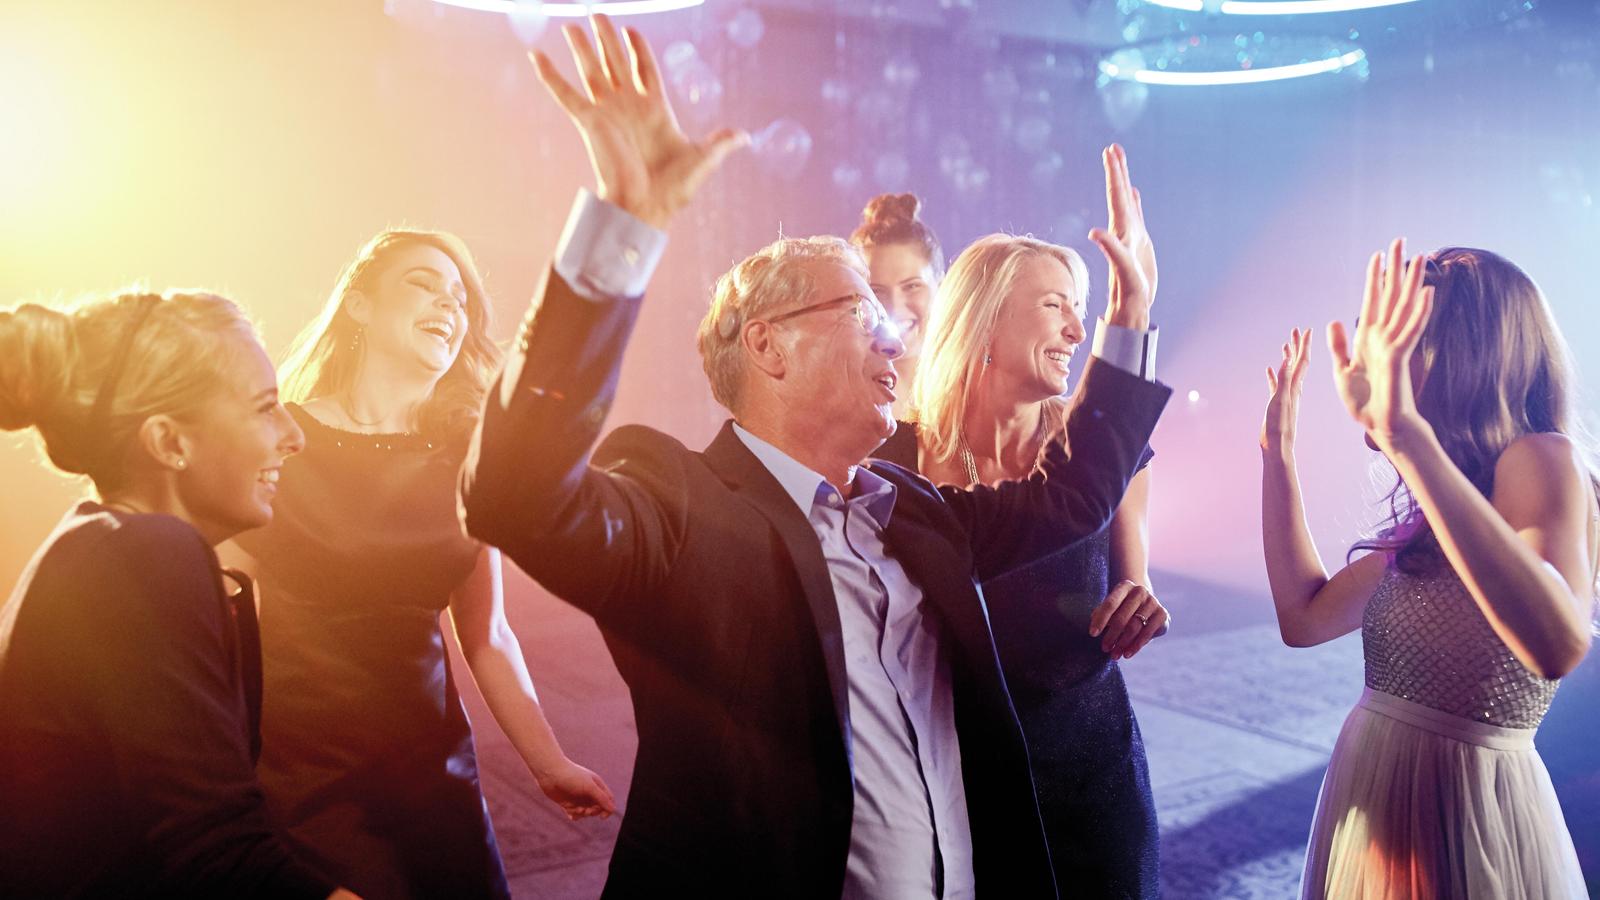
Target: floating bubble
(1123, 102)
(891, 171)
(1133, 30)
(698, 88)
(746, 28)
(1033, 133)
(847, 177)
(1000, 85)
(954, 154)
(677, 55)
(971, 181)
(901, 73)
(1035, 96)
(837, 94)
(1071, 228)
(1047, 168)
(782, 148)
(876, 108)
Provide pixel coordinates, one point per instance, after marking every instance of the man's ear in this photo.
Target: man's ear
(162, 439)
(759, 341)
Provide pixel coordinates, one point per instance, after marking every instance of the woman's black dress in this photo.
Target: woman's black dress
(127, 719)
(1083, 741)
(367, 756)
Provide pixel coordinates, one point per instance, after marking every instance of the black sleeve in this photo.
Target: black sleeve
(1016, 522)
(168, 693)
(589, 533)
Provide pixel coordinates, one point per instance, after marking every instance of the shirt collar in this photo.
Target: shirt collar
(805, 486)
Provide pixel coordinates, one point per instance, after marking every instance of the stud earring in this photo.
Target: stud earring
(181, 464)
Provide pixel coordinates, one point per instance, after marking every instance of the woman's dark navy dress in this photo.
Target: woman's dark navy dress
(1083, 740)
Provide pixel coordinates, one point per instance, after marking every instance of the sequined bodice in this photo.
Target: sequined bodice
(1426, 641)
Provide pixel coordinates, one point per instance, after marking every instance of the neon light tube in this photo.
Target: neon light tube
(1240, 76)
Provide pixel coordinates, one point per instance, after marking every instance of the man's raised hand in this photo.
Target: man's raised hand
(642, 160)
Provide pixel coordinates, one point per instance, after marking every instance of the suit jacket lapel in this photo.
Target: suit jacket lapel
(742, 471)
(923, 551)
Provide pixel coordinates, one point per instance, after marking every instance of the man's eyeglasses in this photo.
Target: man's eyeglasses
(870, 315)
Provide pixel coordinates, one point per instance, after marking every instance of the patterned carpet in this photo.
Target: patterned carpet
(1238, 729)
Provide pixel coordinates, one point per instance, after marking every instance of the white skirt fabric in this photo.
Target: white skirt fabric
(1421, 804)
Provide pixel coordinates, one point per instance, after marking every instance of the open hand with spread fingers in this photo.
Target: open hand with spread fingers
(1373, 371)
(642, 160)
(1126, 244)
(1127, 619)
(1284, 386)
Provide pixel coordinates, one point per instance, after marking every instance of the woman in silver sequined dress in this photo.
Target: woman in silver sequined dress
(1472, 603)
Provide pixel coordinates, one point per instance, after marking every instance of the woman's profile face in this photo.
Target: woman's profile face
(1038, 332)
(902, 278)
(236, 444)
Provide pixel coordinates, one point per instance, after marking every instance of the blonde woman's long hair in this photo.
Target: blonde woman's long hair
(325, 359)
(966, 311)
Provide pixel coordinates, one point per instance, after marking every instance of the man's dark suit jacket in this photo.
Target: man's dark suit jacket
(710, 588)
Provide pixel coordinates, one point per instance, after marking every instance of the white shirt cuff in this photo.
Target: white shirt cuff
(605, 252)
(1129, 349)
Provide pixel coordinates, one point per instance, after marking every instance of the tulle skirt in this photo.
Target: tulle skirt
(1418, 803)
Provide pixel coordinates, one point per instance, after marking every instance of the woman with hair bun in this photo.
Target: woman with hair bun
(368, 757)
(904, 265)
(129, 678)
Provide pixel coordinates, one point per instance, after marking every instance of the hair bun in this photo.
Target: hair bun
(888, 209)
(38, 345)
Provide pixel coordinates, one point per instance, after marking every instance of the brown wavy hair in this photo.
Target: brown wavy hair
(1496, 368)
(321, 363)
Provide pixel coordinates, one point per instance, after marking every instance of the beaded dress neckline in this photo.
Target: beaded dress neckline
(365, 440)
(1425, 640)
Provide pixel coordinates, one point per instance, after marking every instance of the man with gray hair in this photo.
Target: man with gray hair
(820, 708)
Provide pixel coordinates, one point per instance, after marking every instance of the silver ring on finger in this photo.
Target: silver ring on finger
(1143, 620)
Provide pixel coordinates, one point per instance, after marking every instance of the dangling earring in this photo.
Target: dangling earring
(355, 339)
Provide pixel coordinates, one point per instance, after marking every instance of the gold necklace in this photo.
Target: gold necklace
(970, 463)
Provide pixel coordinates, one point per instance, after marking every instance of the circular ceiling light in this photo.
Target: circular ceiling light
(576, 10)
(1200, 60)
